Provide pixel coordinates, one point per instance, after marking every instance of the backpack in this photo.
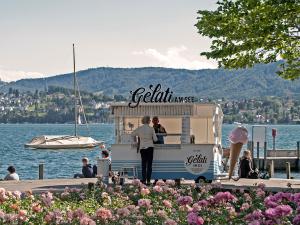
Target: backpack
(94, 170)
(253, 175)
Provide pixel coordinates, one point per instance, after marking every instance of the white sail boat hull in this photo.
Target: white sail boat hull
(62, 142)
(66, 141)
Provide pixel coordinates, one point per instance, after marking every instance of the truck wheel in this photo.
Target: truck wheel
(177, 182)
(122, 181)
(201, 180)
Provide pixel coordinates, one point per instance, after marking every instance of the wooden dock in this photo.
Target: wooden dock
(279, 156)
(58, 185)
(280, 162)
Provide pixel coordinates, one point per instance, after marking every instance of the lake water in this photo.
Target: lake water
(63, 164)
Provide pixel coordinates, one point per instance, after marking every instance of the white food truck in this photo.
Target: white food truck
(191, 150)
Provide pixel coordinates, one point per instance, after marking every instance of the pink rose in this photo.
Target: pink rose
(103, 214)
(185, 200)
(170, 222)
(145, 191)
(2, 214)
(167, 203)
(194, 219)
(139, 222)
(160, 183)
(296, 220)
(123, 212)
(245, 206)
(161, 213)
(144, 203)
(17, 194)
(149, 212)
(157, 189)
(87, 221)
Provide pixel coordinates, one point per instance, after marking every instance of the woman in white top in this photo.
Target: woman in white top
(147, 137)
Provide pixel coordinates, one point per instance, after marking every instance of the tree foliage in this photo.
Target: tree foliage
(246, 32)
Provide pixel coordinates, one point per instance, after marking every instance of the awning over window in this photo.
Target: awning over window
(167, 110)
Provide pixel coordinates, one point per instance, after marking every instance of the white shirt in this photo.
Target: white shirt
(146, 134)
(12, 176)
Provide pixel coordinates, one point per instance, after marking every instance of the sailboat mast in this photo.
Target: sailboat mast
(75, 94)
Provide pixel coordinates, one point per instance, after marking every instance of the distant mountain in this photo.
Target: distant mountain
(2, 83)
(259, 81)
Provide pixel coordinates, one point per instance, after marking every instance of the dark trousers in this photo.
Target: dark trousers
(147, 158)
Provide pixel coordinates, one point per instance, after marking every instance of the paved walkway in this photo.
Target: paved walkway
(38, 186)
(273, 184)
(58, 185)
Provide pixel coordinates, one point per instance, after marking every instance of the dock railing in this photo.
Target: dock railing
(262, 159)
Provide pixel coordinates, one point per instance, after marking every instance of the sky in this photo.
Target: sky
(36, 36)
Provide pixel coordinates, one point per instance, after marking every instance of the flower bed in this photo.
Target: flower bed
(162, 204)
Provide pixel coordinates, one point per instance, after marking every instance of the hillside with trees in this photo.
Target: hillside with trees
(257, 82)
(57, 106)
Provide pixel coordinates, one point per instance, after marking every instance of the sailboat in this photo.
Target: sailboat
(67, 141)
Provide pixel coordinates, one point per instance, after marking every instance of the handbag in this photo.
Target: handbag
(253, 175)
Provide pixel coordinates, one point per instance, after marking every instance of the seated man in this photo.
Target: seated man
(12, 174)
(87, 170)
(159, 130)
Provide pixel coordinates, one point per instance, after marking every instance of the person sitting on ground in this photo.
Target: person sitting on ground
(104, 155)
(246, 170)
(87, 170)
(12, 174)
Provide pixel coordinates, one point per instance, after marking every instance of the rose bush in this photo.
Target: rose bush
(164, 203)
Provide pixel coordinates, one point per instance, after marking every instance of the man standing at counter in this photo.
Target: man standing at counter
(147, 137)
(159, 130)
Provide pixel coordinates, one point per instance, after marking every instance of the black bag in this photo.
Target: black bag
(264, 175)
(94, 171)
(253, 175)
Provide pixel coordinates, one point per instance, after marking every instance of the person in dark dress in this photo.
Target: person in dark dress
(245, 165)
(159, 130)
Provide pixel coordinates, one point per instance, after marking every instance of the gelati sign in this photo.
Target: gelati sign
(197, 161)
(155, 94)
